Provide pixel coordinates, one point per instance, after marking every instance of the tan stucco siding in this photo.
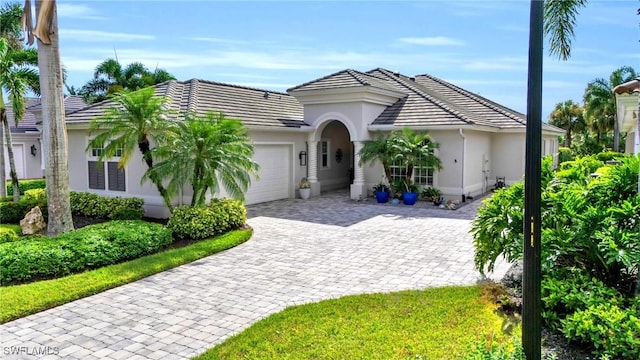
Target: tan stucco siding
(31, 165)
(449, 178)
(507, 157)
(477, 162)
(336, 175)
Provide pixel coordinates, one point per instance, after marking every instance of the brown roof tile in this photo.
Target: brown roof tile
(345, 79)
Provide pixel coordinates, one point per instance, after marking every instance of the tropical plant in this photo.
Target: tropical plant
(410, 149)
(110, 77)
(136, 120)
(600, 102)
(208, 152)
(10, 29)
(54, 128)
(377, 150)
(17, 76)
(567, 115)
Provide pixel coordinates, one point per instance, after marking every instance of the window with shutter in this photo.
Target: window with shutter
(116, 177)
(96, 175)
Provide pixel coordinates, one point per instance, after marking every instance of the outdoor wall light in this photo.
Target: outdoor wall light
(303, 158)
(33, 150)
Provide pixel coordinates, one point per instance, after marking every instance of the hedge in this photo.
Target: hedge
(200, 222)
(8, 235)
(82, 204)
(25, 185)
(88, 248)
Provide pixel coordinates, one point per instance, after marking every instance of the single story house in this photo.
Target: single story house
(26, 142)
(316, 129)
(628, 106)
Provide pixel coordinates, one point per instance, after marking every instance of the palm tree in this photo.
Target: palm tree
(567, 115)
(10, 17)
(136, 119)
(54, 131)
(600, 102)
(410, 149)
(207, 152)
(377, 150)
(17, 76)
(110, 77)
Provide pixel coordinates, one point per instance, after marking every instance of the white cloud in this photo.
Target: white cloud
(217, 40)
(432, 41)
(77, 11)
(101, 36)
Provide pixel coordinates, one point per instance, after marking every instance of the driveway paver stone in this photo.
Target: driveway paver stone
(301, 252)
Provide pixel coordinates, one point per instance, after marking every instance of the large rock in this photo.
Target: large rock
(33, 222)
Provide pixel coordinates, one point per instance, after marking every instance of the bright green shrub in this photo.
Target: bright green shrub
(614, 332)
(564, 154)
(608, 155)
(483, 349)
(35, 194)
(7, 235)
(83, 249)
(101, 207)
(579, 169)
(200, 222)
(25, 185)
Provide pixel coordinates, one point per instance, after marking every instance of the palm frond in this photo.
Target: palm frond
(559, 25)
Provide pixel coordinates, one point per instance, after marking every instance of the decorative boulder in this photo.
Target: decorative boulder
(33, 222)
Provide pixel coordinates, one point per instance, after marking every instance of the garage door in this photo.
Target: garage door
(275, 174)
(18, 157)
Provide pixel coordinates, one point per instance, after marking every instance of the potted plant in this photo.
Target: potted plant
(432, 194)
(410, 194)
(382, 192)
(305, 188)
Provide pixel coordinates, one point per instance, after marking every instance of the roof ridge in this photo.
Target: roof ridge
(441, 103)
(192, 100)
(238, 86)
(489, 103)
(319, 79)
(355, 75)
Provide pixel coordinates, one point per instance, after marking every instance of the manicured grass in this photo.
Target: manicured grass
(22, 300)
(15, 227)
(437, 323)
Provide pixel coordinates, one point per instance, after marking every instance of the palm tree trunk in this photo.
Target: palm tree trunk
(145, 149)
(54, 131)
(3, 174)
(567, 140)
(12, 163)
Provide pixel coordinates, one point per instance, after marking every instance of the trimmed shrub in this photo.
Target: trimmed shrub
(564, 154)
(12, 212)
(88, 248)
(201, 222)
(102, 207)
(7, 235)
(35, 194)
(25, 185)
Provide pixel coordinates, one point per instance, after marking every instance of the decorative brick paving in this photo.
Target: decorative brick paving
(301, 251)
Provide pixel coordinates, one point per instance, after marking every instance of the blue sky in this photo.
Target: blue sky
(478, 45)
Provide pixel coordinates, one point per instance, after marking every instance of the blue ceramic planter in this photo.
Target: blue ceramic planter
(409, 198)
(382, 196)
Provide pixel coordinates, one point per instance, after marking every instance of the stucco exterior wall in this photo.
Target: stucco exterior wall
(356, 116)
(477, 162)
(31, 165)
(449, 178)
(337, 174)
(507, 157)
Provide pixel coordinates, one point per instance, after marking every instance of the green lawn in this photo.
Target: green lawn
(437, 323)
(22, 300)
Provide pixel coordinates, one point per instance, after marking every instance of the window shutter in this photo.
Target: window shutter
(116, 177)
(96, 175)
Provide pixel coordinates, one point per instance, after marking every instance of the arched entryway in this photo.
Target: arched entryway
(334, 157)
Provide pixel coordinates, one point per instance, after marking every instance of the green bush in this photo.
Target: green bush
(7, 235)
(482, 349)
(91, 247)
(25, 185)
(614, 332)
(35, 194)
(12, 212)
(564, 154)
(6, 199)
(101, 207)
(201, 222)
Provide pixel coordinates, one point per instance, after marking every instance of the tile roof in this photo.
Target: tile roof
(254, 107)
(28, 122)
(348, 78)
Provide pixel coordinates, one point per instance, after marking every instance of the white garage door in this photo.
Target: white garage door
(18, 157)
(275, 174)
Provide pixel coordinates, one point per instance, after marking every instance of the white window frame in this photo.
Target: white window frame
(323, 153)
(93, 155)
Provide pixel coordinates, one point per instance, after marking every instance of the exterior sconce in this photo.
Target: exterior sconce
(303, 158)
(33, 150)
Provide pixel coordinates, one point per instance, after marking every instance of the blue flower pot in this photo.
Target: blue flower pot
(382, 196)
(409, 198)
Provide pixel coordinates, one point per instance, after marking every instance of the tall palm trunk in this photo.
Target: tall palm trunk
(3, 174)
(54, 129)
(12, 163)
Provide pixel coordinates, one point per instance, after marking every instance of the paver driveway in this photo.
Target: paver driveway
(301, 251)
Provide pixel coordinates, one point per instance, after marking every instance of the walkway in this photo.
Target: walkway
(301, 251)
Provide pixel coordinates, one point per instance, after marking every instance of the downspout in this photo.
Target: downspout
(464, 152)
